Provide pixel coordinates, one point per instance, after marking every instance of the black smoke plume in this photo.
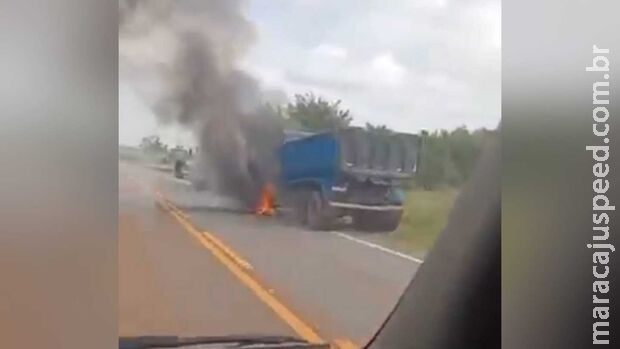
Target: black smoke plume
(184, 57)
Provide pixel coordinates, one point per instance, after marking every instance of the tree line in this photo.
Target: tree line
(447, 158)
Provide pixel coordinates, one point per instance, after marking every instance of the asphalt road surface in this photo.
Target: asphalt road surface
(188, 269)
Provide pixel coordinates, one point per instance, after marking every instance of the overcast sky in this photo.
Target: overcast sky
(408, 64)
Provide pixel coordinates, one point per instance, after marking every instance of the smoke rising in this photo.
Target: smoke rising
(183, 58)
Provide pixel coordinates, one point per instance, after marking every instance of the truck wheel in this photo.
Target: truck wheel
(379, 221)
(317, 217)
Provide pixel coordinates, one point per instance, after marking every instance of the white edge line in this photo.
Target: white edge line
(379, 247)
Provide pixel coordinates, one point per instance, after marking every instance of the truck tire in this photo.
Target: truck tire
(377, 221)
(317, 212)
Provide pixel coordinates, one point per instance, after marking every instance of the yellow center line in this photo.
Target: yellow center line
(237, 264)
(290, 318)
(215, 241)
(242, 262)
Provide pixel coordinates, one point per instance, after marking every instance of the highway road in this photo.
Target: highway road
(188, 269)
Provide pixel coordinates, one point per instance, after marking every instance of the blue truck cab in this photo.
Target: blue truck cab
(352, 172)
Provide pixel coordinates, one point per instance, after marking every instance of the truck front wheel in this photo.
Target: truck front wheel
(377, 221)
(317, 212)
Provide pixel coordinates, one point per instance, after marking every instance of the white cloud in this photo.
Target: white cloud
(388, 69)
(491, 19)
(331, 51)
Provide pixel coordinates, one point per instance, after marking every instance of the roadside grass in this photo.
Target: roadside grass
(425, 216)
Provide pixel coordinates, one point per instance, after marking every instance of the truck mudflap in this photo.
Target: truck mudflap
(352, 206)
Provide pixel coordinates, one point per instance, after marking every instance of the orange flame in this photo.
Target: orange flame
(267, 202)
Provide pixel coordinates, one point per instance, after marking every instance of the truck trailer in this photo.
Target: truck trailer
(352, 173)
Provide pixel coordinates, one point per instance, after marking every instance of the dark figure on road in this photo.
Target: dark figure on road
(178, 168)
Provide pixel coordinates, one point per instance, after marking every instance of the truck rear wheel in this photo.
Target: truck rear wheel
(317, 212)
(377, 221)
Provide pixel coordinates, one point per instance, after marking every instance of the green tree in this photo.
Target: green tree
(152, 144)
(436, 168)
(448, 158)
(154, 149)
(311, 113)
(463, 151)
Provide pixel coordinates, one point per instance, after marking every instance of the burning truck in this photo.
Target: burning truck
(329, 177)
(324, 178)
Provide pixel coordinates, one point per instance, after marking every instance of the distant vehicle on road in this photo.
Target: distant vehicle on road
(179, 157)
(352, 173)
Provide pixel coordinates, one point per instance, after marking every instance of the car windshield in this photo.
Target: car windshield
(285, 166)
